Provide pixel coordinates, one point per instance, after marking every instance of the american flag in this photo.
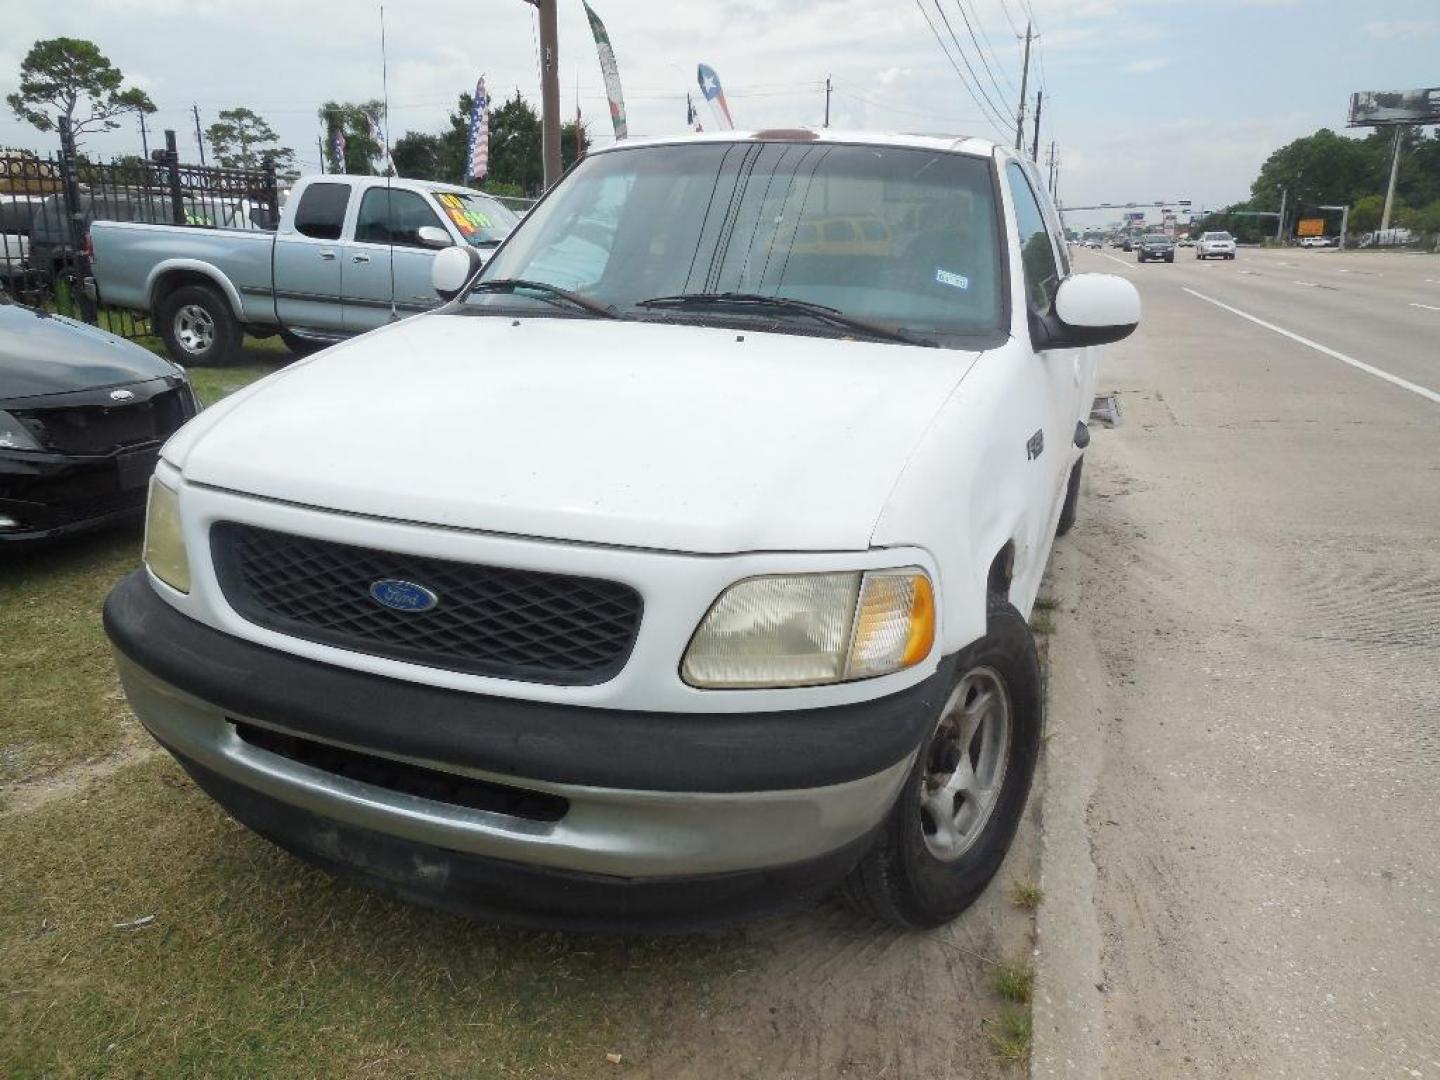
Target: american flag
(477, 151)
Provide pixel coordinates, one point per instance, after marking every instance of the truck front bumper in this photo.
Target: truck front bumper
(544, 814)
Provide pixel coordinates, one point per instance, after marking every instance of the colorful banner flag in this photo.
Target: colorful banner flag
(477, 150)
(337, 145)
(692, 118)
(710, 88)
(610, 71)
(377, 136)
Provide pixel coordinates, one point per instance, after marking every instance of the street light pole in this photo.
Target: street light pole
(1344, 221)
(1280, 222)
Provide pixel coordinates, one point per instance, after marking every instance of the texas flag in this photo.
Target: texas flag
(710, 88)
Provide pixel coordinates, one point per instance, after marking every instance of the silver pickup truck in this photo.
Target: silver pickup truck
(351, 253)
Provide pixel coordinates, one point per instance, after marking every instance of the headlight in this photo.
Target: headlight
(164, 542)
(804, 629)
(16, 436)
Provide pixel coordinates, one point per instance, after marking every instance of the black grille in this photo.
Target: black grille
(101, 429)
(408, 779)
(514, 624)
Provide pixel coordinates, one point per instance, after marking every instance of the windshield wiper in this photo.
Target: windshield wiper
(509, 285)
(821, 312)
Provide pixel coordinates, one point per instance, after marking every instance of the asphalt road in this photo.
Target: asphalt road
(1241, 817)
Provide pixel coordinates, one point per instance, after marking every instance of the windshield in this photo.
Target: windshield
(1216, 236)
(1157, 239)
(482, 221)
(893, 235)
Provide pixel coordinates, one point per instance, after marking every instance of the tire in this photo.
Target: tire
(1230, 257)
(300, 346)
(1071, 505)
(1170, 258)
(902, 880)
(198, 327)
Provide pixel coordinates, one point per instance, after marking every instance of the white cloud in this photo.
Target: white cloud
(892, 75)
(1145, 67)
(1401, 28)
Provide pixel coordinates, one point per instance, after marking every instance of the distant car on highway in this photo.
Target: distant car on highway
(1215, 245)
(1185, 241)
(1316, 241)
(1127, 244)
(1155, 246)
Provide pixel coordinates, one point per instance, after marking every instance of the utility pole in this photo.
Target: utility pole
(144, 139)
(1280, 222)
(198, 140)
(1035, 141)
(320, 149)
(549, 89)
(827, 101)
(1024, 84)
(1394, 171)
(1051, 163)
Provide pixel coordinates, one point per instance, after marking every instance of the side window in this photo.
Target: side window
(393, 217)
(321, 213)
(1037, 255)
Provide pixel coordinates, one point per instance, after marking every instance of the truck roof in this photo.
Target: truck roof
(964, 144)
(380, 181)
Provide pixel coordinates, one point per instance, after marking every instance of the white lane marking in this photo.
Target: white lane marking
(1112, 258)
(1427, 307)
(1308, 284)
(1369, 369)
(1432, 281)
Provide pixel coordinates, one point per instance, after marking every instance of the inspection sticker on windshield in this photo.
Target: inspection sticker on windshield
(955, 281)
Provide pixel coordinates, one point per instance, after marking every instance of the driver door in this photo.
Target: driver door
(385, 259)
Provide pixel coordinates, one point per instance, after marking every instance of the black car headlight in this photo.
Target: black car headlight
(14, 435)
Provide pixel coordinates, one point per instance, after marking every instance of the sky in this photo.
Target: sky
(1146, 100)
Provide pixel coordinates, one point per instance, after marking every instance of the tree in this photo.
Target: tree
(419, 156)
(1365, 213)
(516, 145)
(73, 79)
(241, 139)
(362, 152)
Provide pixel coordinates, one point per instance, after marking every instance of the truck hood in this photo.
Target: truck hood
(672, 437)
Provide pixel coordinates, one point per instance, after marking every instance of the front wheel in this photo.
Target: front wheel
(957, 813)
(198, 327)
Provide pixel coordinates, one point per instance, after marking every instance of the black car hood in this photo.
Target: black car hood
(47, 354)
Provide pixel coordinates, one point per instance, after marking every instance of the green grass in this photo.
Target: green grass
(256, 965)
(1012, 1035)
(60, 701)
(1041, 622)
(1013, 982)
(1027, 895)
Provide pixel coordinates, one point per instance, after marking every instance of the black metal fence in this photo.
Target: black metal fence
(48, 204)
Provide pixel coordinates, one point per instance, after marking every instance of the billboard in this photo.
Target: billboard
(1376, 108)
(1310, 226)
(1135, 217)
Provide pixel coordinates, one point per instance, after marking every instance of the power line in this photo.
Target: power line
(979, 51)
(994, 53)
(941, 42)
(906, 112)
(973, 84)
(1010, 19)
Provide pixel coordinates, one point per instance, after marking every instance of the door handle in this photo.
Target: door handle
(360, 258)
(327, 254)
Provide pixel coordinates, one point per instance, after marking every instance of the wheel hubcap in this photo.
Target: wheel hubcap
(194, 328)
(965, 764)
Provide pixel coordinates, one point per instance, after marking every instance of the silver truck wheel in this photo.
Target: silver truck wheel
(194, 329)
(965, 764)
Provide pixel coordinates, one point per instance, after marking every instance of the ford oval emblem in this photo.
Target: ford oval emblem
(403, 595)
(122, 395)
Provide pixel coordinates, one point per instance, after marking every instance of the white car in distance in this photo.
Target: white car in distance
(1215, 245)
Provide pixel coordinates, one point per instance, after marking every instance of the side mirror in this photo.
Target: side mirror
(453, 269)
(432, 236)
(1091, 309)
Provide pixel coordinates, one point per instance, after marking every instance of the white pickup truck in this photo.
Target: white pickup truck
(351, 253)
(678, 568)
